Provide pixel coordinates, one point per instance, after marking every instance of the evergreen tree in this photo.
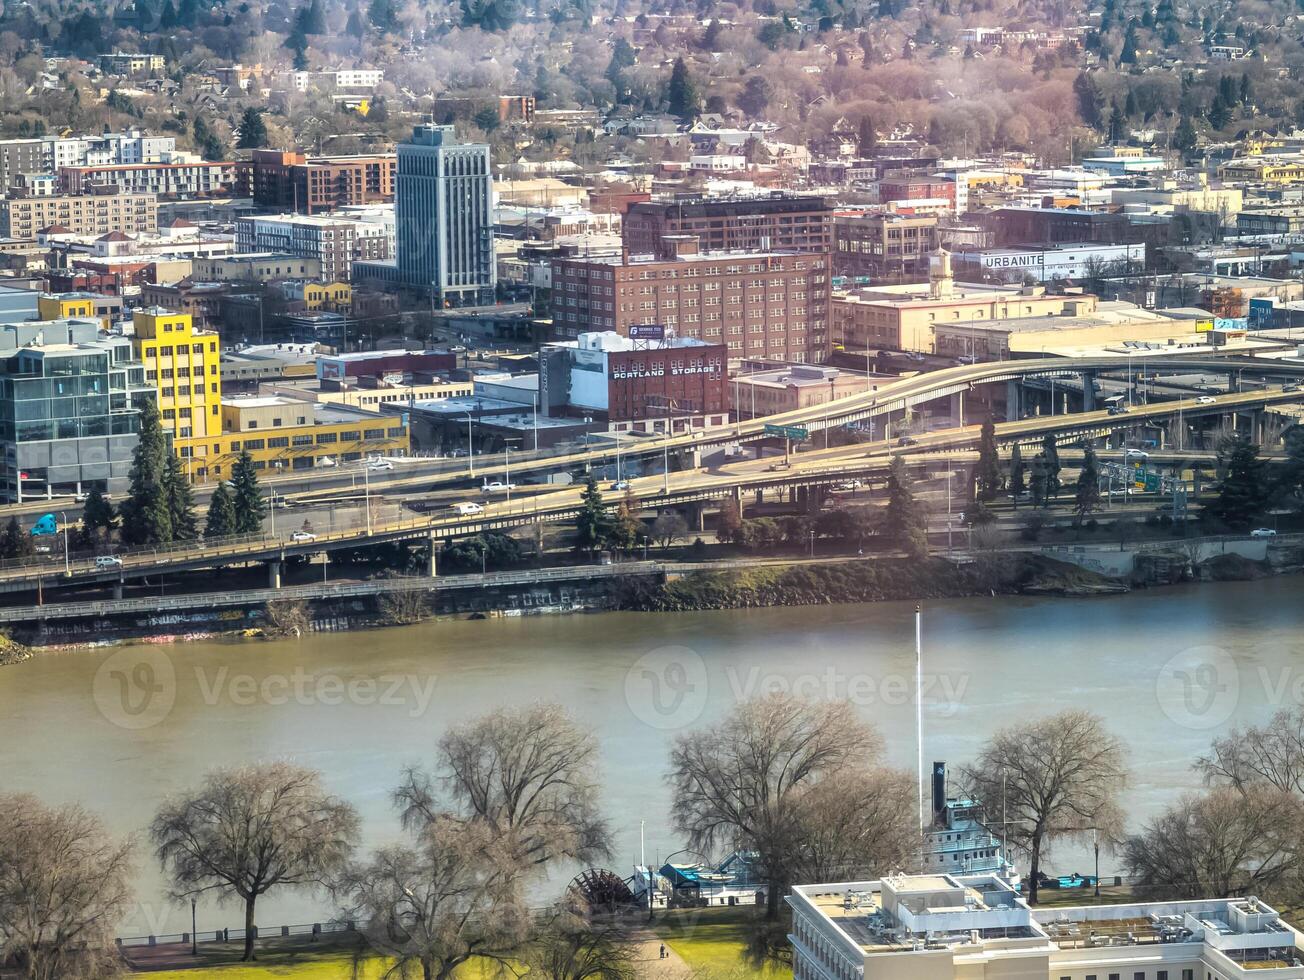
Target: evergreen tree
(181, 502)
(1243, 493)
(221, 521)
(247, 496)
(1247, 90)
(906, 522)
(866, 136)
(592, 522)
(1087, 500)
(383, 17)
(626, 529)
(188, 13)
(681, 94)
(356, 26)
(313, 18)
(253, 131)
(1050, 452)
(1117, 123)
(988, 472)
(146, 515)
(1037, 480)
(1091, 104)
(168, 18)
(1128, 55)
(622, 59)
(1185, 136)
(15, 542)
(1289, 486)
(1018, 475)
(1220, 113)
(98, 517)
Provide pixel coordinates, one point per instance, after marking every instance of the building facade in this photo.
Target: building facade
(254, 267)
(777, 223)
(280, 181)
(443, 219)
(767, 304)
(1072, 261)
(69, 408)
(182, 365)
(334, 243)
(196, 178)
(80, 214)
(883, 245)
(20, 157)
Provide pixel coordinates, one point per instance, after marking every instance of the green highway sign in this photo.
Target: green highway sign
(794, 432)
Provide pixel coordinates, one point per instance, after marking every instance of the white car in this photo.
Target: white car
(1206, 400)
(468, 509)
(380, 464)
(497, 486)
(1263, 532)
(299, 537)
(326, 461)
(620, 485)
(108, 561)
(848, 485)
(1136, 454)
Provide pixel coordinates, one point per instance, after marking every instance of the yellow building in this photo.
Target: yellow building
(1284, 169)
(182, 363)
(333, 297)
(62, 306)
(289, 434)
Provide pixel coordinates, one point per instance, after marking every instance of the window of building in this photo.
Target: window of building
(278, 442)
(253, 444)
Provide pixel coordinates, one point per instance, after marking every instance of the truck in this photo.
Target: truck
(468, 509)
(46, 524)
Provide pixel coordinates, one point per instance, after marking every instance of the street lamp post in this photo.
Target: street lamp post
(1095, 846)
(64, 518)
(366, 494)
(194, 936)
(470, 446)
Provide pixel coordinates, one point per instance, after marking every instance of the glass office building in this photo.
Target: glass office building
(69, 408)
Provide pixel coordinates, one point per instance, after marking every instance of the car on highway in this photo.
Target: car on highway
(1140, 454)
(1117, 409)
(108, 561)
(497, 486)
(1263, 532)
(1292, 386)
(300, 537)
(847, 485)
(376, 463)
(326, 461)
(620, 485)
(907, 441)
(775, 467)
(1206, 400)
(468, 509)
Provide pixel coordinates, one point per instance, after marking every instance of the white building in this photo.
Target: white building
(335, 242)
(950, 927)
(106, 149)
(1072, 261)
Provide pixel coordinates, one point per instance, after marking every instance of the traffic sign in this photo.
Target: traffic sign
(794, 432)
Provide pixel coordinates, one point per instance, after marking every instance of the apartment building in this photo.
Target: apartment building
(79, 214)
(188, 178)
(254, 267)
(777, 223)
(952, 927)
(124, 63)
(883, 245)
(771, 304)
(104, 149)
(200, 301)
(333, 297)
(79, 305)
(282, 181)
(181, 363)
(20, 157)
(335, 243)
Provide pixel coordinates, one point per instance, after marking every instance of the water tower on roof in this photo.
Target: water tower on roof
(941, 282)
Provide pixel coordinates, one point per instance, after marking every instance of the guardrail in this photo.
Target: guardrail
(310, 929)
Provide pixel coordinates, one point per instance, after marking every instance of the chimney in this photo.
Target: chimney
(939, 790)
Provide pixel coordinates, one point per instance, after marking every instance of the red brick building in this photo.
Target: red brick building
(777, 223)
(282, 181)
(759, 304)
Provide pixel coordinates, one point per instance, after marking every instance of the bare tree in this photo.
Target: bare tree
(64, 887)
(736, 783)
(452, 896)
(529, 773)
(859, 821)
(1055, 776)
(1222, 843)
(1271, 755)
(248, 830)
(668, 526)
(575, 944)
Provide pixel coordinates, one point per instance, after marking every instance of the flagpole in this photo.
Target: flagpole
(919, 712)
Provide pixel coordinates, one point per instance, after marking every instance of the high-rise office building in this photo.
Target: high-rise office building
(444, 220)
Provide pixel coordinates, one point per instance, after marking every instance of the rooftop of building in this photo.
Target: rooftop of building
(618, 260)
(919, 293)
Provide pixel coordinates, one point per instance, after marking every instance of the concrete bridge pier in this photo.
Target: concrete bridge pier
(956, 410)
(1088, 391)
(737, 494)
(273, 574)
(696, 514)
(434, 556)
(1013, 401)
(117, 589)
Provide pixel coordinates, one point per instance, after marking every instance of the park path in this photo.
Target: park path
(650, 964)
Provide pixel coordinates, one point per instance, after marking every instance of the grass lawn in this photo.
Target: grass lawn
(712, 941)
(299, 966)
(1109, 895)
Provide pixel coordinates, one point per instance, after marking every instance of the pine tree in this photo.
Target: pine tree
(1037, 480)
(626, 529)
(681, 94)
(1087, 500)
(246, 496)
(988, 472)
(146, 516)
(98, 516)
(181, 502)
(1050, 452)
(168, 18)
(906, 521)
(1018, 482)
(355, 27)
(1243, 492)
(1185, 136)
(593, 520)
(253, 131)
(866, 136)
(15, 542)
(382, 16)
(221, 521)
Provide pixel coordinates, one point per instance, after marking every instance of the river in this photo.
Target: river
(117, 729)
